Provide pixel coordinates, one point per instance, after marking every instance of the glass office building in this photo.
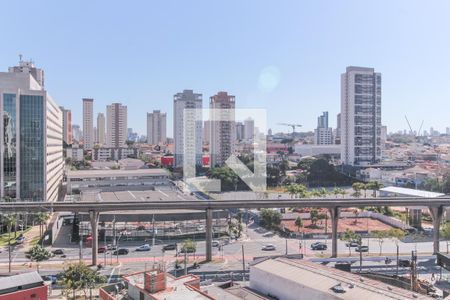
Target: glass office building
(31, 156)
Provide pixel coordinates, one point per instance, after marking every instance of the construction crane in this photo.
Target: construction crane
(411, 131)
(291, 125)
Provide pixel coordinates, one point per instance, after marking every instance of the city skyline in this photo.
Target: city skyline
(293, 64)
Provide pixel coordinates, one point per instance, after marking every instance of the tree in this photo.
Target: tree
(189, 246)
(350, 236)
(357, 187)
(10, 221)
(397, 234)
(297, 190)
(42, 218)
(38, 254)
(271, 218)
(445, 232)
(314, 216)
(374, 186)
(298, 223)
(78, 277)
(380, 235)
(356, 213)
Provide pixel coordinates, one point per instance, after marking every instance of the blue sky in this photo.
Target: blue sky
(285, 56)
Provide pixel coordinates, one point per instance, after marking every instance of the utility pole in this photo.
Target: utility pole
(243, 263)
(185, 261)
(286, 247)
(413, 271)
(396, 273)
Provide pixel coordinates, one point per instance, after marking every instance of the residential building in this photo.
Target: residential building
(67, 125)
(223, 128)
(111, 153)
(116, 125)
(240, 131)
(207, 132)
(337, 136)
(101, 134)
(75, 153)
(77, 134)
(26, 286)
(88, 123)
(187, 127)
(447, 130)
(360, 116)
(323, 134)
(131, 135)
(249, 130)
(31, 137)
(156, 127)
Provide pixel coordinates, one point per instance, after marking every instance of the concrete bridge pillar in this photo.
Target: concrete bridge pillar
(209, 234)
(436, 214)
(94, 216)
(334, 215)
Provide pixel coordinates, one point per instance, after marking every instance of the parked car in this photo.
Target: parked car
(200, 228)
(101, 250)
(169, 247)
(20, 240)
(145, 247)
(121, 251)
(269, 247)
(319, 246)
(362, 249)
(215, 243)
(58, 252)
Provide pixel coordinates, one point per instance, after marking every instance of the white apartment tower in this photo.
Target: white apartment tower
(116, 125)
(323, 135)
(223, 128)
(88, 123)
(31, 136)
(101, 125)
(156, 127)
(187, 139)
(360, 116)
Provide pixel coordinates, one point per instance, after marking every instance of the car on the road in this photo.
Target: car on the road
(200, 228)
(169, 247)
(111, 247)
(269, 247)
(362, 249)
(268, 234)
(101, 250)
(121, 251)
(352, 244)
(50, 278)
(58, 252)
(215, 243)
(404, 263)
(145, 247)
(319, 246)
(20, 239)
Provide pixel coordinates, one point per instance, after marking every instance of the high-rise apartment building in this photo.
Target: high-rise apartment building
(116, 125)
(156, 127)
(101, 134)
(249, 129)
(67, 125)
(323, 135)
(206, 131)
(188, 139)
(88, 123)
(31, 136)
(337, 136)
(77, 134)
(240, 131)
(360, 116)
(223, 128)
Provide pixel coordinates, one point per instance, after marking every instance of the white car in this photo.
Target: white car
(20, 240)
(145, 247)
(269, 247)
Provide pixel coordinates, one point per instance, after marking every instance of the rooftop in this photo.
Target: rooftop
(322, 278)
(7, 283)
(113, 173)
(159, 194)
(411, 192)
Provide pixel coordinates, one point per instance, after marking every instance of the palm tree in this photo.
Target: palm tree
(298, 223)
(10, 221)
(42, 218)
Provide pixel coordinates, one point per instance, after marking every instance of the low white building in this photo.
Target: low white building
(75, 153)
(292, 279)
(104, 154)
(314, 150)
